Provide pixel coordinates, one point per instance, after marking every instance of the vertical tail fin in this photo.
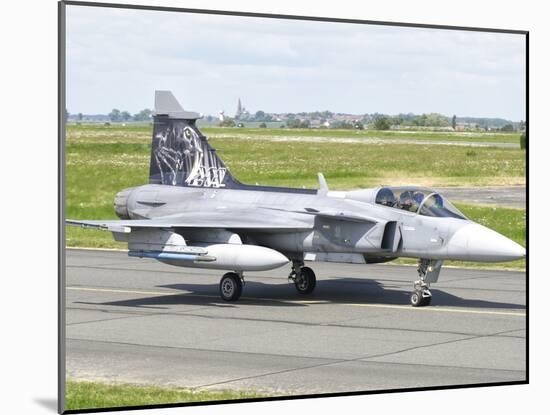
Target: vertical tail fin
(180, 154)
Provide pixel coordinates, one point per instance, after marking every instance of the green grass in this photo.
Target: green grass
(101, 152)
(89, 395)
(394, 135)
(143, 131)
(100, 161)
(355, 165)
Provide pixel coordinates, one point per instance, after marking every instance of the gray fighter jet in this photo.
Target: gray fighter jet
(194, 213)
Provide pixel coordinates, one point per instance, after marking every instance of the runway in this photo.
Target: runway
(139, 321)
(498, 196)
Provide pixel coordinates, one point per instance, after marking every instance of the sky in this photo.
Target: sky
(117, 58)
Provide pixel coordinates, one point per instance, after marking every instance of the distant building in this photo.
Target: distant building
(242, 112)
(239, 109)
(460, 127)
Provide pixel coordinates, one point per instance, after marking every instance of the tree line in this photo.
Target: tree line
(374, 121)
(117, 116)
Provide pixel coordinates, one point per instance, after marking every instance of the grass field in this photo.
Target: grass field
(88, 395)
(365, 134)
(105, 157)
(143, 131)
(102, 160)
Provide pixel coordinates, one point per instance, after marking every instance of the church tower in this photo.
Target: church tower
(240, 109)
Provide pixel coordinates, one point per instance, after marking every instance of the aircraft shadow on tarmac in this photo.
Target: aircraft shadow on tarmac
(344, 290)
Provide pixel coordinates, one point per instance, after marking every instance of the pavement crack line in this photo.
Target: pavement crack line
(327, 359)
(192, 313)
(184, 348)
(484, 277)
(103, 320)
(364, 358)
(131, 314)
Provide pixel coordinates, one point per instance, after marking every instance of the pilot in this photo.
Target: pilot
(386, 197)
(418, 197)
(406, 201)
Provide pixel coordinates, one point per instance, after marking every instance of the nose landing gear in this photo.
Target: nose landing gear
(421, 296)
(428, 272)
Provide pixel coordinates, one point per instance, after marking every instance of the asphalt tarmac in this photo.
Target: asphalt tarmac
(498, 196)
(138, 321)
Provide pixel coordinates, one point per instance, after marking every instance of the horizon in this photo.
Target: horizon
(71, 113)
(116, 58)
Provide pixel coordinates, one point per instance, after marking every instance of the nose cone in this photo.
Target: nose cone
(474, 242)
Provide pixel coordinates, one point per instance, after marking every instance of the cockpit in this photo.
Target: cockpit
(423, 201)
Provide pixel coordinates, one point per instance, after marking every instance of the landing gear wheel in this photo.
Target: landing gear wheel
(305, 280)
(231, 287)
(420, 299)
(428, 271)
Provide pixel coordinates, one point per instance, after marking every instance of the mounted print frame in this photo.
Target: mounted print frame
(261, 207)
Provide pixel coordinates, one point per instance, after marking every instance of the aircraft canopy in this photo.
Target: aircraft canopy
(426, 202)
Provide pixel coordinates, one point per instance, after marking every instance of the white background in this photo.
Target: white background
(28, 270)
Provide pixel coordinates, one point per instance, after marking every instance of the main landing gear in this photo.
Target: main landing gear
(231, 286)
(303, 278)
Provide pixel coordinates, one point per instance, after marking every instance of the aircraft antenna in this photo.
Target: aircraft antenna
(323, 187)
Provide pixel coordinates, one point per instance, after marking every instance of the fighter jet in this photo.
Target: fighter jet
(194, 213)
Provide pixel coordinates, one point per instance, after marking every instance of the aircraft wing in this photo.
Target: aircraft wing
(218, 219)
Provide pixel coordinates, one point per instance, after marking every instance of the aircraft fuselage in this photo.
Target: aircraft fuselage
(391, 233)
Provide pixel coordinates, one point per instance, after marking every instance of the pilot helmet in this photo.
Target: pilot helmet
(386, 197)
(406, 197)
(418, 197)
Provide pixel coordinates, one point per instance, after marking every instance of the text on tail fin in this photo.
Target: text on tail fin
(180, 154)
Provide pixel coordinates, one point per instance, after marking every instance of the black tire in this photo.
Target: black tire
(231, 287)
(305, 281)
(418, 300)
